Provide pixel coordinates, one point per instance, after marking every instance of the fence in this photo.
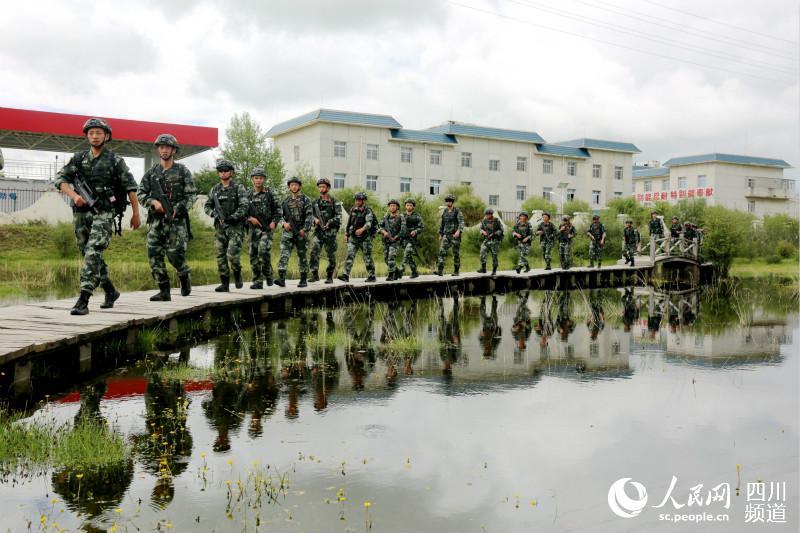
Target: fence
(12, 200)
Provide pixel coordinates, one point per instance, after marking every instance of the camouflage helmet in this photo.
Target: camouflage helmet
(675, 218)
(488, 211)
(411, 201)
(565, 218)
(524, 213)
(258, 171)
(168, 140)
(595, 217)
(546, 214)
(95, 122)
(654, 213)
(294, 179)
(393, 201)
(324, 181)
(687, 223)
(360, 196)
(628, 221)
(449, 198)
(224, 164)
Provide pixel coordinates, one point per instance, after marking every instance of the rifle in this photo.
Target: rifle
(323, 225)
(292, 221)
(218, 214)
(388, 229)
(262, 219)
(158, 193)
(85, 192)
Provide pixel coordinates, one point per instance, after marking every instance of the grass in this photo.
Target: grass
(89, 445)
(758, 268)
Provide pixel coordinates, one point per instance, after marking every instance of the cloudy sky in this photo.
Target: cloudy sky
(676, 77)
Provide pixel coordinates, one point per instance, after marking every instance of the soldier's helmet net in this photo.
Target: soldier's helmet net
(258, 171)
(294, 179)
(360, 196)
(223, 165)
(411, 201)
(523, 214)
(95, 122)
(167, 140)
(449, 198)
(488, 211)
(324, 181)
(393, 201)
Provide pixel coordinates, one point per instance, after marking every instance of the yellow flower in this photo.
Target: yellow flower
(367, 504)
(118, 510)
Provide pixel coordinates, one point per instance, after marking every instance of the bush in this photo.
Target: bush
(726, 232)
(64, 241)
(785, 249)
(537, 202)
(471, 206)
(773, 259)
(573, 206)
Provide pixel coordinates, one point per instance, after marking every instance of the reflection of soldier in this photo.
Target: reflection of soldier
(325, 368)
(260, 399)
(522, 326)
(361, 358)
(450, 347)
(564, 320)
(91, 396)
(544, 325)
(221, 409)
(96, 490)
(630, 311)
(294, 367)
(654, 321)
(491, 332)
(597, 318)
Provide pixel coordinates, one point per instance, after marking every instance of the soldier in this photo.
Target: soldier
(450, 235)
(566, 232)
(228, 205)
(297, 219)
(414, 227)
(548, 234)
(689, 232)
(675, 229)
(360, 230)
(597, 238)
(327, 212)
(393, 229)
(492, 233)
(656, 227)
(108, 180)
(168, 186)
(523, 233)
(263, 216)
(631, 242)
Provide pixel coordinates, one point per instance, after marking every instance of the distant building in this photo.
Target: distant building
(747, 183)
(504, 167)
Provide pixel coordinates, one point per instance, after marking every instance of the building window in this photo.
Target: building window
(521, 193)
(547, 166)
(595, 197)
(405, 184)
(751, 206)
(467, 183)
(466, 159)
(547, 193)
(617, 194)
(787, 185)
(648, 186)
(522, 164)
(597, 171)
(570, 194)
(751, 182)
(338, 181)
(701, 180)
(372, 183)
(617, 173)
(405, 154)
(682, 182)
(494, 199)
(494, 165)
(665, 185)
(436, 157)
(372, 152)
(435, 186)
(296, 153)
(572, 168)
(339, 149)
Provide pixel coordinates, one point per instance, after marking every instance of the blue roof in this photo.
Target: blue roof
(339, 117)
(599, 144)
(650, 172)
(728, 158)
(469, 130)
(423, 136)
(563, 151)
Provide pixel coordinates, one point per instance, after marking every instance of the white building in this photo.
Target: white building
(753, 184)
(375, 153)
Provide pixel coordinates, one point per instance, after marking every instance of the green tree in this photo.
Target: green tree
(534, 203)
(471, 206)
(246, 147)
(204, 179)
(629, 206)
(573, 206)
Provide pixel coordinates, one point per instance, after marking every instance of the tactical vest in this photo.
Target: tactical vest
(328, 212)
(491, 227)
(261, 203)
(597, 231)
(358, 218)
(413, 223)
(228, 198)
(549, 231)
(100, 174)
(656, 228)
(393, 224)
(296, 206)
(450, 220)
(630, 235)
(675, 230)
(563, 236)
(523, 229)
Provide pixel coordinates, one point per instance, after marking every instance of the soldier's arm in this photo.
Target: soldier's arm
(337, 215)
(275, 208)
(66, 174)
(309, 218)
(441, 225)
(420, 225)
(460, 220)
(130, 186)
(244, 204)
(208, 208)
(369, 220)
(190, 191)
(143, 194)
(403, 228)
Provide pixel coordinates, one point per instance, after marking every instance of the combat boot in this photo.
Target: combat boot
(482, 269)
(599, 264)
(329, 278)
(371, 278)
(527, 268)
(591, 264)
(112, 295)
(398, 274)
(257, 285)
(455, 273)
(439, 270)
(224, 285)
(547, 266)
(281, 281)
(632, 261)
(414, 273)
(344, 277)
(237, 278)
(314, 276)
(390, 277)
(303, 282)
(269, 281)
(81, 307)
(163, 294)
(186, 285)
(494, 270)
(517, 270)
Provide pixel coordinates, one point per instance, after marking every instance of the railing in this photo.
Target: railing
(669, 247)
(12, 200)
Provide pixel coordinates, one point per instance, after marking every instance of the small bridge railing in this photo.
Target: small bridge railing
(669, 247)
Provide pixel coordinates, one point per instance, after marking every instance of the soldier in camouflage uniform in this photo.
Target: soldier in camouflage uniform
(492, 232)
(228, 205)
(297, 218)
(327, 220)
(566, 232)
(263, 216)
(631, 242)
(523, 234)
(548, 234)
(675, 229)
(450, 235)
(655, 226)
(168, 184)
(103, 171)
(393, 229)
(597, 239)
(414, 227)
(358, 235)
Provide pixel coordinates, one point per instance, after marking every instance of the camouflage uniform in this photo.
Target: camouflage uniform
(631, 240)
(565, 236)
(491, 242)
(413, 223)
(548, 236)
(360, 218)
(229, 231)
(675, 231)
(656, 228)
(297, 212)
(325, 237)
(598, 231)
(263, 206)
(452, 221)
(396, 226)
(93, 230)
(523, 246)
(170, 237)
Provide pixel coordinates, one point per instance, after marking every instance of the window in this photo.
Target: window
(617, 173)
(570, 194)
(405, 184)
(595, 197)
(787, 184)
(338, 181)
(372, 152)
(296, 153)
(521, 193)
(682, 182)
(701, 180)
(751, 182)
(405, 154)
(339, 149)
(547, 166)
(597, 171)
(572, 168)
(467, 183)
(466, 159)
(435, 186)
(494, 199)
(751, 206)
(494, 165)
(648, 186)
(617, 194)
(665, 185)
(436, 157)
(372, 183)
(547, 193)
(522, 164)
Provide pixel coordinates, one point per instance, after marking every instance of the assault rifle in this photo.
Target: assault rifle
(85, 191)
(158, 193)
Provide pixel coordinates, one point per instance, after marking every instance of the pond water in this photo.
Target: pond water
(509, 412)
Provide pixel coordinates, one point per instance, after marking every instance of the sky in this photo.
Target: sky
(675, 77)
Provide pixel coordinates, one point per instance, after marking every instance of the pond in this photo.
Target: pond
(506, 412)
